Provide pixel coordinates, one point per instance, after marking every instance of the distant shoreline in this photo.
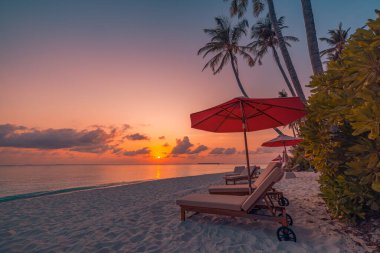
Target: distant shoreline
(213, 163)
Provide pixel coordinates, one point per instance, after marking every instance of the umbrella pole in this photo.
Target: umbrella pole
(246, 146)
(284, 155)
(247, 158)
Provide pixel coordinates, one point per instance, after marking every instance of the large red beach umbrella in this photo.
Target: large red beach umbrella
(248, 114)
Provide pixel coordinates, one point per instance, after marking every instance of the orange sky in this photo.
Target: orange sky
(76, 65)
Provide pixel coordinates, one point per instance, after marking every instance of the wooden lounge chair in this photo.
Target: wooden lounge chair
(243, 206)
(237, 171)
(242, 176)
(243, 189)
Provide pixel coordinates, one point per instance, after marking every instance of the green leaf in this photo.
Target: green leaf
(373, 160)
(375, 186)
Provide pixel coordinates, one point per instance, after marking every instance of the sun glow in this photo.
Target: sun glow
(158, 172)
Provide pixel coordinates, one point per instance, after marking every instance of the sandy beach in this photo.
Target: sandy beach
(143, 217)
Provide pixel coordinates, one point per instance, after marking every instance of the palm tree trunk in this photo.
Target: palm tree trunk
(241, 86)
(277, 59)
(285, 53)
(237, 76)
(311, 35)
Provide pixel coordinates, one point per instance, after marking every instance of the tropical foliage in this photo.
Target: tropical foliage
(297, 160)
(225, 45)
(342, 128)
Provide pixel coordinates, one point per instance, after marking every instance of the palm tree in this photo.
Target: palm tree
(265, 39)
(284, 51)
(337, 40)
(239, 7)
(225, 43)
(282, 94)
(311, 35)
(293, 125)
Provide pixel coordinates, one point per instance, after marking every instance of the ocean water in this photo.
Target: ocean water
(36, 180)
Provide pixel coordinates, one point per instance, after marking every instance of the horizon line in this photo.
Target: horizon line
(58, 164)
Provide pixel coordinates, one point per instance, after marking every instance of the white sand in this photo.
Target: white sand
(144, 218)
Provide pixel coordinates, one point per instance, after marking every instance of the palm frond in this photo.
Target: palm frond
(238, 7)
(336, 40)
(239, 30)
(258, 7)
(291, 38)
(247, 57)
(213, 61)
(224, 61)
(208, 50)
(242, 7)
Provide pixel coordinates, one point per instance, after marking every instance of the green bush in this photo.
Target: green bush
(298, 161)
(342, 128)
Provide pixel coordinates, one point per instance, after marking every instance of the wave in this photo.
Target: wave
(66, 190)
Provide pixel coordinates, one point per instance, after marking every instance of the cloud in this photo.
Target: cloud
(183, 146)
(230, 151)
(137, 137)
(97, 149)
(265, 150)
(199, 149)
(142, 151)
(161, 138)
(223, 151)
(165, 145)
(217, 151)
(126, 127)
(93, 141)
(116, 150)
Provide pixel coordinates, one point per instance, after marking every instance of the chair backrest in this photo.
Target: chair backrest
(244, 172)
(277, 158)
(253, 169)
(239, 169)
(274, 176)
(266, 172)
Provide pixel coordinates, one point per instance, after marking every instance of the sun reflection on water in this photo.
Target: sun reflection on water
(158, 172)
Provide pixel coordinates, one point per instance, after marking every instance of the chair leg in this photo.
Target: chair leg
(183, 214)
(284, 221)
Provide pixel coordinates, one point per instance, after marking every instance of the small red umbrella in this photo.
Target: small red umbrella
(282, 141)
(248, 114)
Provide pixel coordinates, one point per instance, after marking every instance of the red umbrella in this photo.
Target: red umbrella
(248, 114)
(282, 141)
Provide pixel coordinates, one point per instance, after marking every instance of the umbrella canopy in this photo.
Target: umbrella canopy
(258, 113)
(282, 140)
(248, 114)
